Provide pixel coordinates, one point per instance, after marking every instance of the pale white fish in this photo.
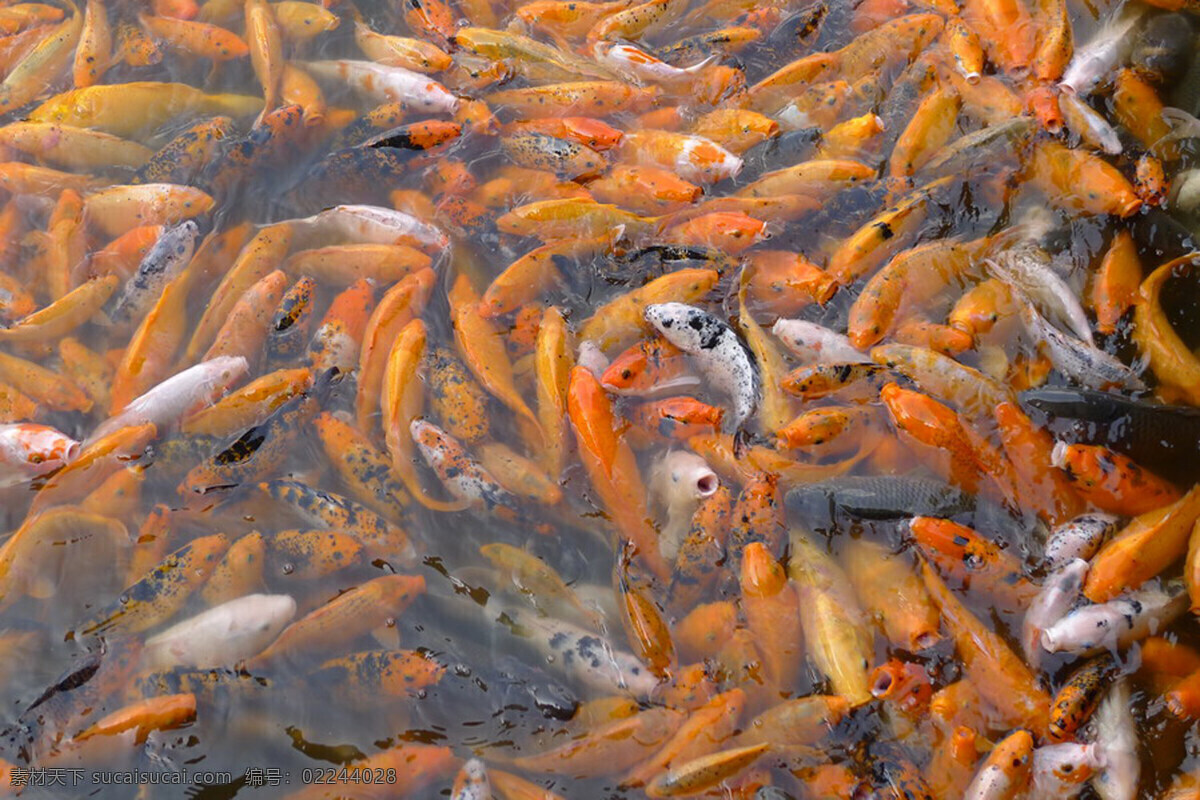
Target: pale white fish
(1183, 125)
(1088, 124)
(472, 782)
(366, 225)
(1058, 594)
(602, 601)
(223, 635)
(1029, 270)
(28, 450)
(1079, 358)
(1117, 741)
(585, 656)
(1060, 771)
(1185, 192)
(640, 65)
(171, 400)
(1108, 626)
(1080, 537)
(592, 358)
(717, 351)
(388, 84)
(791, 118)
(813, 343)
(678, 482)
(1033, 224)
(1099, 57)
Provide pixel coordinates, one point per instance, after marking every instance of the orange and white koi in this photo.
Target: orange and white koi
(1060, 771)
(338, 339)
(649, 368)
(386, 83)
(401, 51)
(640, 65)
(692, 158)
(28, 450)
(679, 481)
(1006, 771)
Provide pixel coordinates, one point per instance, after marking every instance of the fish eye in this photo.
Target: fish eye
(36, 458)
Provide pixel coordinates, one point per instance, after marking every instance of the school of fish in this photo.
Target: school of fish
(753, 399)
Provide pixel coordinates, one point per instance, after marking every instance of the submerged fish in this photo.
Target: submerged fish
(223, 635)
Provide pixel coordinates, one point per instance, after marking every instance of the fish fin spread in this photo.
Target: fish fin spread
(1183, 125)
(692, 70)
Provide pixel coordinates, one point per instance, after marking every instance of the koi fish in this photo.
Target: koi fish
(718, 352)
(162, 262)
(1117, 746)
(172, 400)
(1106, 626)
(223, 635)
(28, 450)
(388, 83)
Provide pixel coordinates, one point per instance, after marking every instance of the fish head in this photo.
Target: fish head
(227, 370)
(684, 326)
(41, 448)
(271, 613)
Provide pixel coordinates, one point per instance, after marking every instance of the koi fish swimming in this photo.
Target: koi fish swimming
(545, 399)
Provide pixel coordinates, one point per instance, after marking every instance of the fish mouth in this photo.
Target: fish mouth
(707, 485)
